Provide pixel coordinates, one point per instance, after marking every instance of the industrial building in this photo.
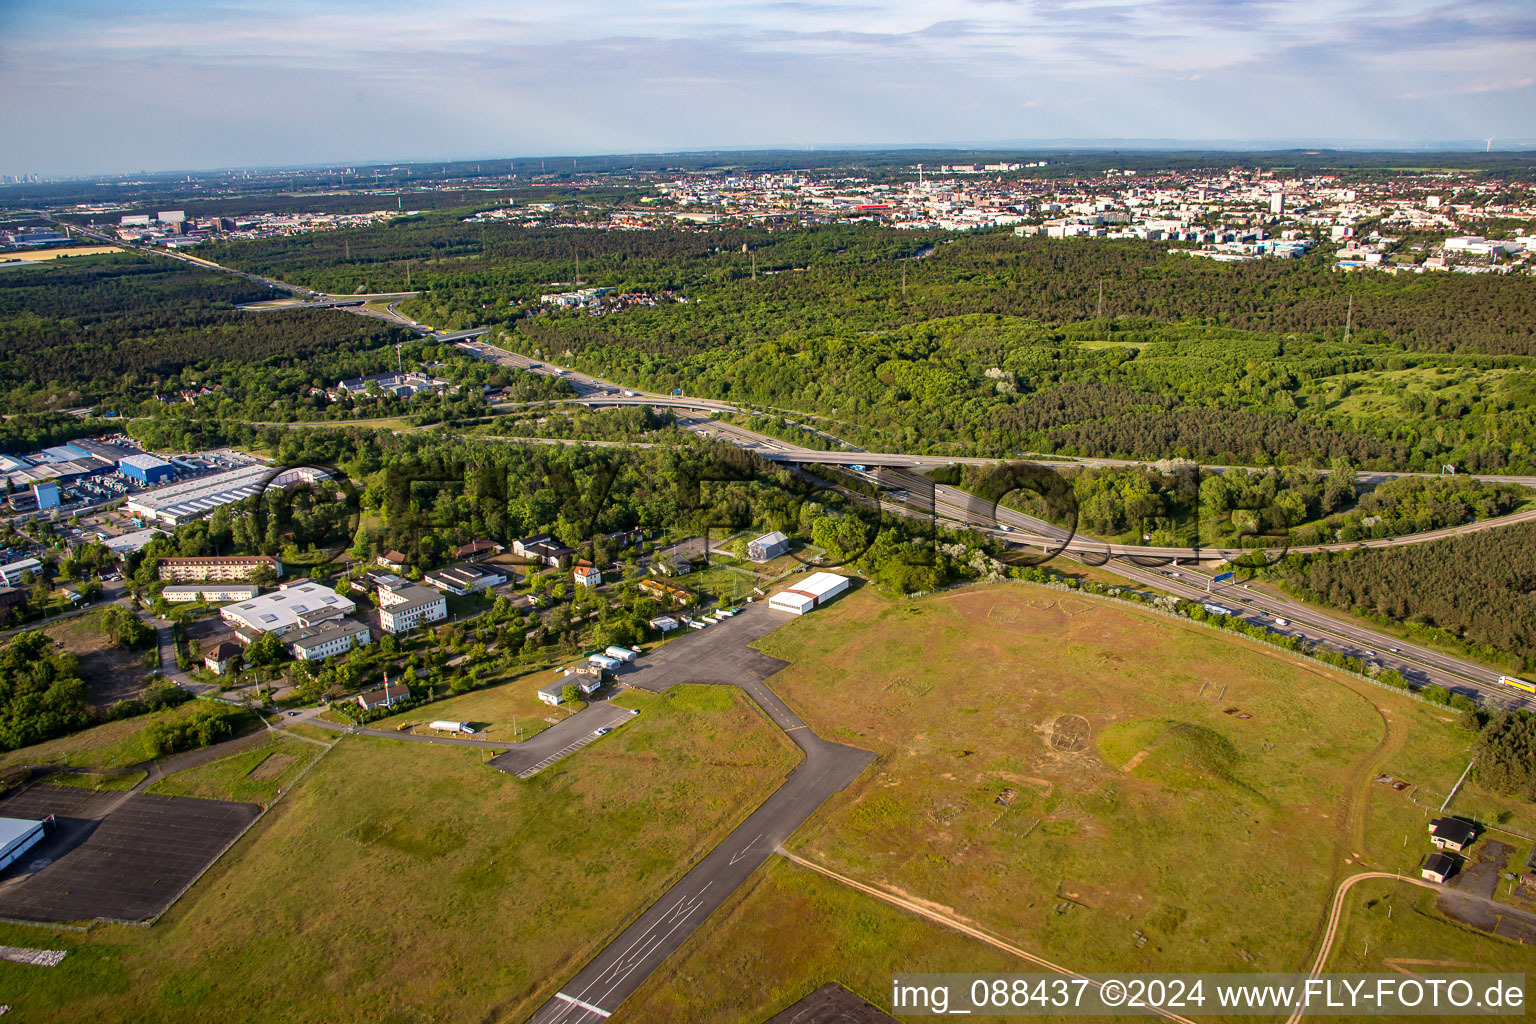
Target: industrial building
(47, 494)
(146, 469)
(128, 543)
(193, 499)
(812, 592)
(301, 604)
(213, 593)
(327, 639)
(402, 609)
(17, 836)
(768, 547)
(217, 568)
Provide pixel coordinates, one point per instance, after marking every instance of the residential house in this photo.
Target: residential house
(393, 560)
(386, 696)
(223, 658)
(1451, 833)
(1438, 867)
(674, 566)
(480, 547)
(586, 574)
(544, 549)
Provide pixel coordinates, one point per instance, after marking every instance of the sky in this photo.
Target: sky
(104, 86)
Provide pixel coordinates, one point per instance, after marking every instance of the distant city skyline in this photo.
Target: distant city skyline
(97, 87)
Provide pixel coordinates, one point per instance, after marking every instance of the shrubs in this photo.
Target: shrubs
(123, 628)
(210, 724)
(41, 696)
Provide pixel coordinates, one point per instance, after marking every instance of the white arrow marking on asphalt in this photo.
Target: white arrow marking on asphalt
(744, 849)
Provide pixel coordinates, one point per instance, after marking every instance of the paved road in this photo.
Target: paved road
(311, 716)
(533, 755)
(614, 974)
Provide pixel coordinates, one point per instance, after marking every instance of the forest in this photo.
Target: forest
(1479, 588)
(990, 344)
(125, 325)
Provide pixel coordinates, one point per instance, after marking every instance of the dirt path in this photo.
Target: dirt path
(927, 910)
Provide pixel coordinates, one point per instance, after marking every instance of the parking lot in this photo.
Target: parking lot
(115, 856)
(716, 654)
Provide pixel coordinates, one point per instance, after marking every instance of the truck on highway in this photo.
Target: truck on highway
(460, 728)
(1216, 609)
(1518, 684)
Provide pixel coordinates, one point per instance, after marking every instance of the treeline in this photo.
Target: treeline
(1479, 587)
(1505, 756)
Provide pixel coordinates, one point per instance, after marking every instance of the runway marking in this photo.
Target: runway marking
(744, 849)
(584, 1005)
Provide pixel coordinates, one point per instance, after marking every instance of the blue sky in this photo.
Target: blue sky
(93, 86)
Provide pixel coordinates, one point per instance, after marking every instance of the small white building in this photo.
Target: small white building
(624, 654)
(812, 592)
(587, 575)
(551, 694)
(663, 623)
(768, 547)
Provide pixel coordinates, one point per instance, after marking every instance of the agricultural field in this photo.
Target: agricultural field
(1097, 784)
(407, 881)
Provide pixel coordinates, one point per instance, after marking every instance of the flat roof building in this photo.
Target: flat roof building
(146, 469)
(213, 593)
(402, 609)
(17, 836)
(193, 499)
(281, 610)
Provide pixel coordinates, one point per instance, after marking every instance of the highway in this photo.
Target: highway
(1415, 662)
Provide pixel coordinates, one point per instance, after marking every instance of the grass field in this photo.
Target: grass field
(1415, 936)
(254, 776)
(97, 780)
(509, 711)
(1107, 788)
(406, 882)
